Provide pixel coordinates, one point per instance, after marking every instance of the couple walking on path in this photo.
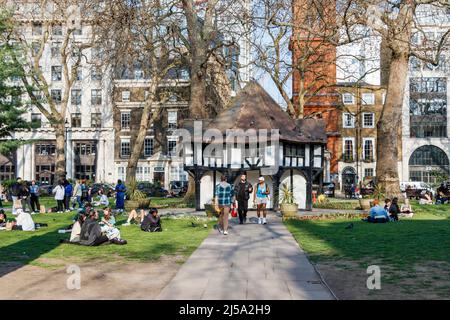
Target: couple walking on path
(225, 196)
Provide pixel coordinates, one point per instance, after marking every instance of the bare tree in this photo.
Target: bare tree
(47, 18)
(395, 22)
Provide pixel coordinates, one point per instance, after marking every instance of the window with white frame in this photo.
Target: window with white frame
(349, 120)
(348, 98)
(56, 73)
(368, 149)
(126, 95)
(121, 173)
(96, 96)
(368, 99)
(56, 95)
(125, 148)
(75, 98)
(369, 172)
(172, 117)
(138, 74)
(348, 149)
(143, 173)
(368, 120)
(177, 173)
(172, 146)
(148, 147)
(125, 120)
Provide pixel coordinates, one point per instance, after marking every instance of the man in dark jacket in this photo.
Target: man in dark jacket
(91, 233)
(16, 191)
(242, 191)
(151, 222)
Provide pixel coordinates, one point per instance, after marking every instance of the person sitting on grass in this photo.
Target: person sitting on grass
(387, 204)
(3, 219)
(377, 214)
(406, 209)
(425, 198)
(134, 216)
(108, 225)
(24, 221)
(150, 222)
(103, 199)
(91, 232)
(76, 229)
(394, 210)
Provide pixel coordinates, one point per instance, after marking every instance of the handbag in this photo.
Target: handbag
(233, 210)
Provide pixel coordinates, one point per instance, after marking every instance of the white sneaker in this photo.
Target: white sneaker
(225, 233)
(264, 221)
(259, 221)
(126, 224)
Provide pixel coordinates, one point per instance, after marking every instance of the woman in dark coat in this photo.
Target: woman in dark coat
(120, 195)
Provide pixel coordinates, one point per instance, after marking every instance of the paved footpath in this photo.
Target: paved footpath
(254, 262)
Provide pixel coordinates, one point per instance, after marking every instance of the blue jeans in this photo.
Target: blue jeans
(80, 204)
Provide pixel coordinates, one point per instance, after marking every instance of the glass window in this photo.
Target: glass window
(75, 97)
(428, 107)
(96, 74)
(172, 119)
(368, 149)
(57, 30)
(96, 120)
(56, 49)
(348, 150)
(125, 120)
(96, 96)
(78, 31)
(79, 75)
(349, 120)
(148, 147)
(348, 98)
(368, 99)
(56, 73)
(76, 120)
(369, 172)
(126, 95)
(125, 148)
(36, 120)
(368, 120)
(138, 74)
(56, 95)
(36, 29)
(172, 147)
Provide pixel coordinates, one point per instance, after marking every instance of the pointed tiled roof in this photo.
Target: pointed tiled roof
(254, 108)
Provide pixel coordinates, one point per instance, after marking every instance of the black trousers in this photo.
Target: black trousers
(59, 205)
(34, 201)
(242, 210)
(100, 240)
(67, 202)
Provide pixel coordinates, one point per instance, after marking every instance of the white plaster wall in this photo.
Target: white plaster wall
(299, 190)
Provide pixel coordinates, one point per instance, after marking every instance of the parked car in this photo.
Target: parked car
(107, 189)
(45, 189)
(178, 188)
(328, 189)
(414, 189)
(151, 189)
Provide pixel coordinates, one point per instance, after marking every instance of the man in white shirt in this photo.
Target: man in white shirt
(24, 221)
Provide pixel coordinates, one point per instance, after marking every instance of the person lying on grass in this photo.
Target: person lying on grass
(150, 222)
(377, 214)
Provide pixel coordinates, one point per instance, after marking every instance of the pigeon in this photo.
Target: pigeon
(350, 226)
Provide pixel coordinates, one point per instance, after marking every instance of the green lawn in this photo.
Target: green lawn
(417, 248)
(339, 204)
(179, 237)
(158, 202)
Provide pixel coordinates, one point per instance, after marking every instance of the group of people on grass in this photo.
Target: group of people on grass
(390, 212)
(227, 195)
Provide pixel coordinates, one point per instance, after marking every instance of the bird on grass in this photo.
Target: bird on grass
(350, 226)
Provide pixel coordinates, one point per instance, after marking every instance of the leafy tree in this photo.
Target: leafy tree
(12, 107)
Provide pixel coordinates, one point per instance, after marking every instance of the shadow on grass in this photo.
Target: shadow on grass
(400, 243)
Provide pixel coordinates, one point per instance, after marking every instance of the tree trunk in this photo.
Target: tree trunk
(197, 103)
(387, 127)
(60, 133)
(146, 119)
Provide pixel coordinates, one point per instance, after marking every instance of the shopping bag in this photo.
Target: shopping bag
(233, 210)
